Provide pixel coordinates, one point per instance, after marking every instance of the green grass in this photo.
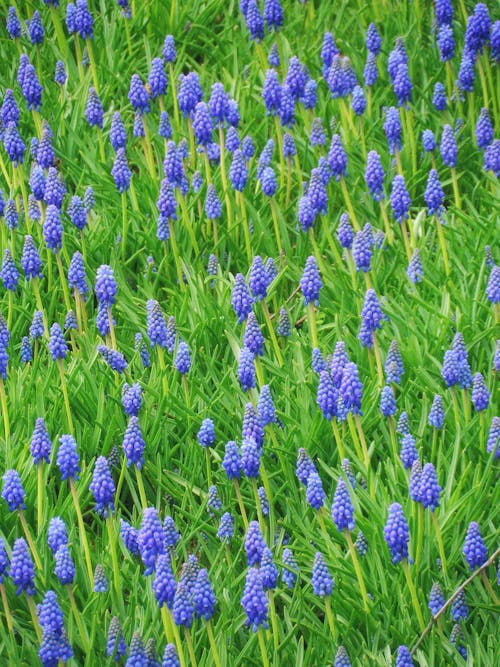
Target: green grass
(211, 38)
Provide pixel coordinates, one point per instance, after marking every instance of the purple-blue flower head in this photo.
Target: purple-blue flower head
(57, 345)
(254, 600)
(40, 445)
(400, 199)
(164, 583)
(480, 394)
(448, 147)
(12, 491)
(310, 282)
(150, 539)
(409, 452)
(429, 489)
(392, 129)
(396, 533)
(64, 568)
(68, 460)
(321, 579)
(337, 158)
(22, 570)
(121, 172)
(133, 443)
(342, 507)
(102, 487)
(474, 549)
(56, 534)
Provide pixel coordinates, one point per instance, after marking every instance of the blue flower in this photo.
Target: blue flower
(22, 570)
(342, 507)
(396, 533)
(164, 584)
(315, 494)
(133, 443)
(321, 579)
(64, 568)
(150, 539)
(474, 549)
(310, 283)
(115, 647)
(12, 491)
(103, 487)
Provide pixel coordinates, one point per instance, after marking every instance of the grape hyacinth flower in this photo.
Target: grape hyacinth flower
(22, 570)
(254, 600)
(150, 539)
(102, 487)
(474, 549)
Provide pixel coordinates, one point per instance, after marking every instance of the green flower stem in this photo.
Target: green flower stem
(388, 231)
(111, 328)
(357, 569)
(272, 333)
(64, 285)
(246, 230)
(163, 369)
(420, 533)
(274, 623)
(408, 125)
(240, 503)
(34, 617)
(348, 203)
(190, 646)
(395, 452)
(439, 539)
(456, 190)
(331, 242)
(65, 395)
(133, 196)
(406, 241)
(262, 645)
(186, 390)
(311, 314)
(173, 92)
(279, 138)
(362, 439)
(354, 436)
(78, 52)
(434, 443)
(338, 439)
(223, 175)
(466, 404)
(257, 505)
(442, 243)
(378, 359)
(177, 259)
(29, 539)
(5, 412)
(6, 609)
(413, 594)
(148, 148)
(39, 496)
(213, 645)
(81, 528)
(274, 214)
(209, 466)
(192, 149)
(58, 29)
(399, 166)
(167, 624)
(320, 515)
(93, 68)
(329, 616)
(116, 568)
(140, 484)
(316, 250)
(124, 224)
(188, 225)
(82, 630)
